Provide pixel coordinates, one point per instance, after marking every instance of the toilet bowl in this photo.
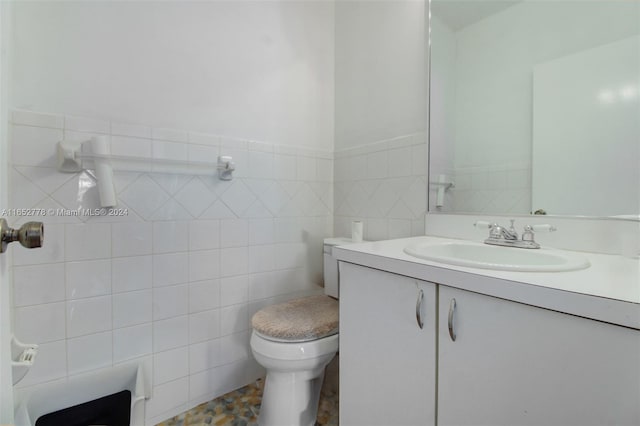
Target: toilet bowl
(294, 341)
(295, 372)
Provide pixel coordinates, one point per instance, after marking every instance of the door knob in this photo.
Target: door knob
(30, 235)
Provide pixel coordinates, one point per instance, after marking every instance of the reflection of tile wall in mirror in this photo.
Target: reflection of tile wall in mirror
(481, 91)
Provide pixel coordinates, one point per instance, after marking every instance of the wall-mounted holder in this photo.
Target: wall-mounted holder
(443, 184)
(70, 160)
(225, 167)
(22, 358)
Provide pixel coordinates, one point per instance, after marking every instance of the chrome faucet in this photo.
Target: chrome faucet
(498, 232)
(501, 236)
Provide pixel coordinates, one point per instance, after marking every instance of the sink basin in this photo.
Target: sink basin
(484, 256)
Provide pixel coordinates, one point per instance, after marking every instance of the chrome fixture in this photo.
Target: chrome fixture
(30, 235)
(452, 310)
(501, 236)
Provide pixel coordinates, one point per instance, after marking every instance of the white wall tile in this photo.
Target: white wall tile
(135, 282)
(260, 165)
(131, 238)
(234, 261)
(51, 252)
(51, 364)
(195, 196)
(131, 273)
(400, 162)
(89, 352)
(306, 168)
(234, 319)
(131, 147)
(234, 347)
(88, 278)
(27, 194)
(134, 130)
(290, 256)
(204, 139)
(325, 170)
(238, 198)
(234, 290)
(377, 165)
(167, 396)
(170, 236)
(399, 228)
(170, 365)
(86, 316)
(144, 196)
(170, 269)
(234, 233)
(284, 167)
(131, 308)
(34, 146)
(169, 150)
(40, 323)
(48, 179)
(288, 230)
(261, 231)
(204, 295)
(217, 381)
(204, 325)
(38, 119)
(202, 153)
(261, 258)
(86, 124)
(166, 134)
(170, 301)
(132, 342)
(204, 234)
(204, 355)
(170, 333)
(87, 241)
(38, 284)
(204, 265)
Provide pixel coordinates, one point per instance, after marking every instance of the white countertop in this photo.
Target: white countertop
(609, 290)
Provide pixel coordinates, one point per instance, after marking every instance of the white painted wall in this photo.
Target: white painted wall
(380, 70)
(593, 119)
(495, 63)
(262, 70)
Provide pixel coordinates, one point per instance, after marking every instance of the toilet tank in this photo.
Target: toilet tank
(331, 278)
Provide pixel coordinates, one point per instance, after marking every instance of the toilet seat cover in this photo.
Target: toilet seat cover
(298, 320)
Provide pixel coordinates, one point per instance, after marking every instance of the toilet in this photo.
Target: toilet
(294, 341)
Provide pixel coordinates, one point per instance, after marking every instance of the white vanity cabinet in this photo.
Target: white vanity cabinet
(387, 361)
(511, 364)
(515, 364)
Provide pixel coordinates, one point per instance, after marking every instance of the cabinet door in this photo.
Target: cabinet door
(514, 364)
(387, 361)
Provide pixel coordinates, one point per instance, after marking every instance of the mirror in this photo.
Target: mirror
(535, 106)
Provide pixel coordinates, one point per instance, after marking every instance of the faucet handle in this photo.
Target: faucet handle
(544, 227)
(483, 224)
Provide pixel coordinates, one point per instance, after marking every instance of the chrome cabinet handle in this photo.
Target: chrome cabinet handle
(452, 309)
(419, 309)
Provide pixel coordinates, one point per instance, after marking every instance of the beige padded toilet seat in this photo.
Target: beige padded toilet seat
(298, 320)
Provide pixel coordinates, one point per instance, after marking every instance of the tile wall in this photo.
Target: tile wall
(383, 184)
(489, 189)
(174, 282)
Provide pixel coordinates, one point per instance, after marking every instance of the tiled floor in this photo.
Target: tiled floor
(241, 407)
